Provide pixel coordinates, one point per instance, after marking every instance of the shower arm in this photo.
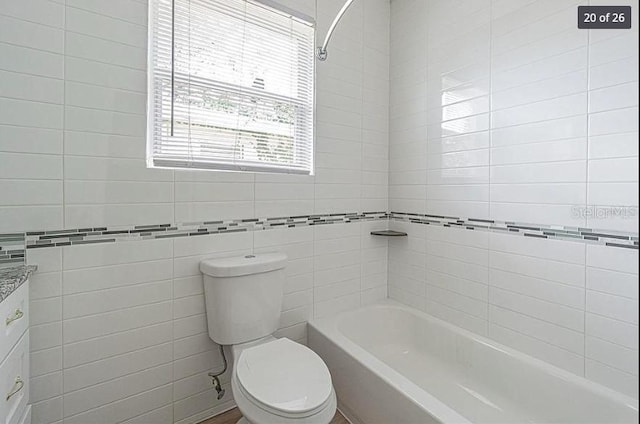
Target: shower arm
(321, 52)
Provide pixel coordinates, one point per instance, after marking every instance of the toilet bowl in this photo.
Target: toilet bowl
(281, 381)
(273, 380)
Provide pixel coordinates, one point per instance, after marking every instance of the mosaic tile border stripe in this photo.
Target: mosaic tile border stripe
(12, 249)
(81, 236)
(58, 238)
(577, 234)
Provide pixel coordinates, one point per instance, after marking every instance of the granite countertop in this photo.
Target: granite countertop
(13, 277)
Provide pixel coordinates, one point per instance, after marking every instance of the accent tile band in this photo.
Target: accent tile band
(12, 249)
(577, 234)
(57, 238)
(12, 246)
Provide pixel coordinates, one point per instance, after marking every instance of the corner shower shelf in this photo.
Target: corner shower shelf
(389, 233)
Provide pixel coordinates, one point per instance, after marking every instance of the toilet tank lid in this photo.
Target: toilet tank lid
(243, 265)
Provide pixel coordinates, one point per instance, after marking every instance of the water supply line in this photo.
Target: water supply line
(215, 376)
(321, 52)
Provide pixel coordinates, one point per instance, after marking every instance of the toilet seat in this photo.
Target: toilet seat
(284, 378)
(256, 414)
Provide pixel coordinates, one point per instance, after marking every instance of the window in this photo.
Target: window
(230, 87)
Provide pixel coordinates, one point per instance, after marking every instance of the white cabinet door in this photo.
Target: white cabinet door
(14, 318)
(14, 383)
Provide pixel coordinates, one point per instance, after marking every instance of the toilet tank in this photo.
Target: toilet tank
(243, 296)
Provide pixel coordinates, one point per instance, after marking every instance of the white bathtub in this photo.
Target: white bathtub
(392, 364)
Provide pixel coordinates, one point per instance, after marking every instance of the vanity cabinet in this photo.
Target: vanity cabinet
(14, 357)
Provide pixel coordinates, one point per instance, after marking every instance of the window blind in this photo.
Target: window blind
(231, 86)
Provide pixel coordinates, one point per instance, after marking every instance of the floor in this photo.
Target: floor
(232, 416)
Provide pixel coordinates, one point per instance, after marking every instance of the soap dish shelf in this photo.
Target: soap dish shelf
(389, 233)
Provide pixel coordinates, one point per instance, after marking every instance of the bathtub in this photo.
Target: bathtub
(394, 364)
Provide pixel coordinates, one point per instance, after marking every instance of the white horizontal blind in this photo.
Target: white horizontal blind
(230, 87)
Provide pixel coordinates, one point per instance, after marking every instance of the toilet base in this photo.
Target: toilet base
(243, 420)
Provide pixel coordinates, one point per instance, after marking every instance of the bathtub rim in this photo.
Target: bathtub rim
(328, 327)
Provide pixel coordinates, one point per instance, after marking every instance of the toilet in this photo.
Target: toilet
(273, 380)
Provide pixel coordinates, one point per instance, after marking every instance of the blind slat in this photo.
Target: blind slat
(231, 87)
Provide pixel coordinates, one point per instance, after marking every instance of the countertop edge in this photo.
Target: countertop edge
(12, 278)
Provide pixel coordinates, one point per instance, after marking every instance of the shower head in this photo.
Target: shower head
(321, 52)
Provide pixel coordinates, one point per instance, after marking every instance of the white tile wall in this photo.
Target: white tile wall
(570, 304)
(31, 123)
(407, 125)
(505, 110)
(119, 330)
(73, 91)
(528, 118)
(117, 322)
